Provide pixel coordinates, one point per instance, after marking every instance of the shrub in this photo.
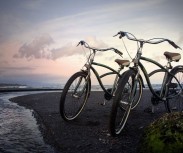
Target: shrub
(164, 135)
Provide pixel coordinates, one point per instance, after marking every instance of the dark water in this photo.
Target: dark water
(19, 132)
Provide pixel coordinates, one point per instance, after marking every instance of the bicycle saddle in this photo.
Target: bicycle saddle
(172, 56)
(123, 62)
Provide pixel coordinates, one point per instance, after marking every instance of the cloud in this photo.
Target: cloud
(39, 48)
(2, 72)
(94, 42)
(24, 68)
(36, 49)
(12, 70)
(69, 49)
(180, 39)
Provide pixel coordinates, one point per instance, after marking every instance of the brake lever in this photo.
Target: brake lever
(116, 34)
(118, 52)
(78, 44)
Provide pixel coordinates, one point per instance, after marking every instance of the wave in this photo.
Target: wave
(56, 86)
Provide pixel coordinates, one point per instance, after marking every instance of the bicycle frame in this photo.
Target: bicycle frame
(105, 74)
(90, 62)
(164, 87)
(90, 67)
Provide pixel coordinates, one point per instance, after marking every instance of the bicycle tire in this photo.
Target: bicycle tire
(121, 105)
(71, 102)
(158, 73)
(138, 93)
(175, 104)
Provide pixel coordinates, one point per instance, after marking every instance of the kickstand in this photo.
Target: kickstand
(104, 102)
(152, 109)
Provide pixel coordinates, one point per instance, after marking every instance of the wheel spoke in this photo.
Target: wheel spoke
(122, 105)
(74, 96)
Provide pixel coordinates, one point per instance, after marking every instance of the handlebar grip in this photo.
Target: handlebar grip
(174, 45)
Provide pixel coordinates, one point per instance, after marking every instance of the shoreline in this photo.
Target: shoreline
(27, 89)
(89, 132)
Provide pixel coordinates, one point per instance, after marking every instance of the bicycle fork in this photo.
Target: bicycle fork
(75, 94)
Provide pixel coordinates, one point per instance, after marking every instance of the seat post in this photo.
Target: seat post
(169, 65)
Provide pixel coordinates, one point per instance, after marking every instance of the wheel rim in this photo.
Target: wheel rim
(75, 98)
(123, 107)
(176, 104)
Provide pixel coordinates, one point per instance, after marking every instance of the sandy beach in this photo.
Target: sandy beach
(89, 132)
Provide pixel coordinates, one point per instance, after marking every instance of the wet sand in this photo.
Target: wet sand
(89, 132)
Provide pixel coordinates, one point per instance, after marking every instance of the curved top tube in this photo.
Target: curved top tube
(147, 76)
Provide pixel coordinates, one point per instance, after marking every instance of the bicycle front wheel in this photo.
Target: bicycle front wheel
(74, 96)
(175, 104)
(122, 103)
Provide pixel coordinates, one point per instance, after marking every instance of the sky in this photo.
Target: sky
(38, 38)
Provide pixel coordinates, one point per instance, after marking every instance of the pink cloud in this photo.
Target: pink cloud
(36, 49)
(39, 48)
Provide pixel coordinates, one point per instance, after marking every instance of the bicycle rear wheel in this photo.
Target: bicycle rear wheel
(122, 103)
(175, 104)
(74, 96)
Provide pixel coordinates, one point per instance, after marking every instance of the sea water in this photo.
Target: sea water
(19, 131)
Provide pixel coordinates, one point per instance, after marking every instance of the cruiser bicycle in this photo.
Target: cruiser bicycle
(77, 89)
(171, 88)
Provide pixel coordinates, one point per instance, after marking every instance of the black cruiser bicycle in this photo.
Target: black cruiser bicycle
(171, 89)
(77, 89)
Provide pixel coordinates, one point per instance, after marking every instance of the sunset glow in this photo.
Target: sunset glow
(38, 38)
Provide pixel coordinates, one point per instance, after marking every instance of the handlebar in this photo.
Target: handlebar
(83, 43)
(150, 41)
